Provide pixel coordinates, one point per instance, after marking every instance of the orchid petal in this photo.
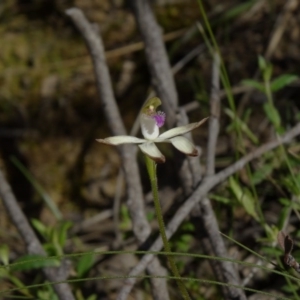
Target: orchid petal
(181, 130)
(152, 151)
(121, 139)
(149, 128)
(184, 145)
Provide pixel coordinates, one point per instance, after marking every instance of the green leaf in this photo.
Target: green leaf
(34, 261)
(62, 233)
(267, 74)
(4, 254)
(284, 214)
(150, 216)
(291, 185)
(271, 232)
(238, 9)
(244, 197)
(243, 126)
(40, 227)
(266, 68)
(254, 84)
(54, 240)
(19, 284)
(291, 288)
(282, 81)
(220, 199)
(262, 63)
(271, 251)
(188, 226)
(259, 175)
(51, 249)
(84, 264)
(4, 273)
(272, 114)
(47, 293)
(285, 202)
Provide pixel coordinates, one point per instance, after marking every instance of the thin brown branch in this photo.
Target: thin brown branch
(135, 203)
(157, 58)
(128, 49)
(204, 216)
(33, 245)
(215, 108)
(187, 58)
(190, 170)
(197, 196)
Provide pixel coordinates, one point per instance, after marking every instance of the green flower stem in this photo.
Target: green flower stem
(151, 167)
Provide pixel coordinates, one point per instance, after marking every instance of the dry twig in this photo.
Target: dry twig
(33, 245)
(157, 58)
(201, 191)
(225, 271)
(190, 172)
(135, 204)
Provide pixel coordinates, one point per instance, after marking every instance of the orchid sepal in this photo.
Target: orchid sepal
(184, 145)
(121, 139)
(150, 149)
(181, 129)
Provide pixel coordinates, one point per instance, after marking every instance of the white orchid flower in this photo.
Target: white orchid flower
(151, 121)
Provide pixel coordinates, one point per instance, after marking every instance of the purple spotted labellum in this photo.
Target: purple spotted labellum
(159, 118)
(151, 121)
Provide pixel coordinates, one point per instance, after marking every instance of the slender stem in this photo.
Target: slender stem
(151, 167)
